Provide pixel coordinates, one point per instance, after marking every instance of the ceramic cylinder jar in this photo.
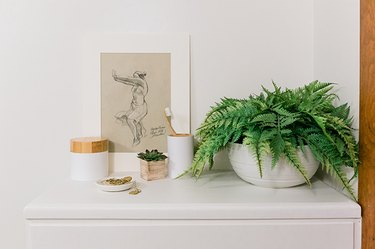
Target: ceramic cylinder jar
(89, 158)
(180, 153)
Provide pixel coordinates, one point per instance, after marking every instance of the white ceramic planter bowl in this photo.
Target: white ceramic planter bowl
(281, 176)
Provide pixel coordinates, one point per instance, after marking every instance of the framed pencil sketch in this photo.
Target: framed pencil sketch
(135, 90)
(128, 81)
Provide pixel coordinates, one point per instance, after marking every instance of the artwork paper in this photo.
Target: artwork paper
(135, 90)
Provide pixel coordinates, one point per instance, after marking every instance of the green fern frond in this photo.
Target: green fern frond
(337, 172)
(258, 144)
(277, 146)
(268, 92)
(236, 136)
(206, 152)
(258, 103)
(346, 135)
(321, 122)
(340, 145)
(301, 144)
(277, 89)
(342, 112)
(285, 121)
(317, 87)
(264, 118)
(283, 112)
(292, 156)
(285, 131)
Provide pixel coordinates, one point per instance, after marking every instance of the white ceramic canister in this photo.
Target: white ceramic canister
(180, 153)
(89, 158)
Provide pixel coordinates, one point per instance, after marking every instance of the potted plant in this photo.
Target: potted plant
(153, 165)
(282, 125)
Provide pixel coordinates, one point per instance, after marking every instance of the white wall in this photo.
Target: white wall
(336, 48)
(336, 54)
(236, 45)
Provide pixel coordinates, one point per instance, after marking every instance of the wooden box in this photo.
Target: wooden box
(153, 170)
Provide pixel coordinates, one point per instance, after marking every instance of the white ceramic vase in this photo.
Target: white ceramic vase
(281, 176)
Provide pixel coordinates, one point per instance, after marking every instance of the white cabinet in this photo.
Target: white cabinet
(218, 211)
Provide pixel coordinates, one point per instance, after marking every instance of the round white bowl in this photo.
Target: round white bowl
(113, 188)
(281, 176)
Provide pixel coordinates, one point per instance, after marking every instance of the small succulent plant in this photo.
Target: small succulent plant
(153, 155)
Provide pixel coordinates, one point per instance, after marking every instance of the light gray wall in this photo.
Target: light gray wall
(336, 48)
(336, 55)
(236, 45)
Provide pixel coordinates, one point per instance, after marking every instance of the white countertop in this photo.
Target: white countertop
(217, 195)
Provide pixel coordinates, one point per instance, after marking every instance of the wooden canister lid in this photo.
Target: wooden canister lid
(88, 145)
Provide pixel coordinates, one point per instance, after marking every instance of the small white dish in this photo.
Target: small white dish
(113, 188)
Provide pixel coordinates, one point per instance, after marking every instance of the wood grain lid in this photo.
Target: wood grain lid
(88, 145)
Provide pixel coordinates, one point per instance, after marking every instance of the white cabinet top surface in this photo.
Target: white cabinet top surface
(217, 195)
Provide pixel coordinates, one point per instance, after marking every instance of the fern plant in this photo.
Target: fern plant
(279, 122)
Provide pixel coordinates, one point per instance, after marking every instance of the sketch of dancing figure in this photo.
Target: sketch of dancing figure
(138, 106)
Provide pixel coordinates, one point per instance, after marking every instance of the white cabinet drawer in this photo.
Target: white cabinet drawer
(192, 234)
(219, 211)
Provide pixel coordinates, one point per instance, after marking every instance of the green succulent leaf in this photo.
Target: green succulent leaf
(153, 155)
